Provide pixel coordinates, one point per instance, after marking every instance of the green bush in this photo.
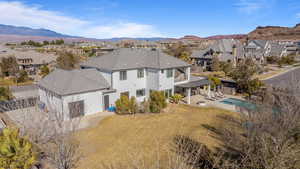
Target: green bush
(16, 152)
(124, 105)
(44, 71)
(286, 60)
(22, 77)
(5, 94)
(176, 98)
(215, 81)
(157, 101)
(272, 59)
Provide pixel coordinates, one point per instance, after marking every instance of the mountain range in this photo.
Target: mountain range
(25, 31)
(9, 33)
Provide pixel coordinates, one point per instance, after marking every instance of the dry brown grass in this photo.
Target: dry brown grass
(118, 136)
(11, 82)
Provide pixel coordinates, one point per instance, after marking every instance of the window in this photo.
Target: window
(123, 75)
(76, 109)
(140, 73)
(162, 71)
(168, 93)
(140, 93)
(169, 73)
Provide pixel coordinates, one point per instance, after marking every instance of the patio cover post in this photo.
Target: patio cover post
(189, 95)
(208, 91)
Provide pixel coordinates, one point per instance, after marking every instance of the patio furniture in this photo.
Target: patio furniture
(201, 103)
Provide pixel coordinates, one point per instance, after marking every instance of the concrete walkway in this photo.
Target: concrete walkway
(93, 120)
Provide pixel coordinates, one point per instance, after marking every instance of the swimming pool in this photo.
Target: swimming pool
(239, 103)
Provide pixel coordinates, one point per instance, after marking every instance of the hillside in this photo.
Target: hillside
(233, 36)
(276, 33)
(191, 38)
(25, 31)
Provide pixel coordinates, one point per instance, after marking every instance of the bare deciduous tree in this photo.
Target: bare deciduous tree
(53, 136)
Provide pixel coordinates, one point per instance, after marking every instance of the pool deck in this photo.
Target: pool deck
(217, 103)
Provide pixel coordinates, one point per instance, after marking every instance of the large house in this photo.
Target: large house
(226, 50)
(102, 80)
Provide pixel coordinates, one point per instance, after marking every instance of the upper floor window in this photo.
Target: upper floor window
(169, 73)
(123, 75)
(140, 73)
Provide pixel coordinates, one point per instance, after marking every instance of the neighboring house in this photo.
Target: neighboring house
(227, 50)
(29, 60)
(274, 49)
(290, 49)
(255, 49)
(102, 80)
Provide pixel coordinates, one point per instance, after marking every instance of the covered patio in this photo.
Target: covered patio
(196, 86)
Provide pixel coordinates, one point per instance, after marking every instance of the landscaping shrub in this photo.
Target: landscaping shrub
(124, 105)
(286, 60)
(144, 107)
(22, 77)
(215, 81)
(272, 59)
(176, 98)
(5, 94)
(157, 101)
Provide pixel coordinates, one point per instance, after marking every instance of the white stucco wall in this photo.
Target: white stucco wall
(130, 85)
(107, 76)
(93, 102)
(152, 79)
(165, 82)
(52, 102)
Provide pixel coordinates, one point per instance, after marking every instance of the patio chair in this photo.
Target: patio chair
(221, 94)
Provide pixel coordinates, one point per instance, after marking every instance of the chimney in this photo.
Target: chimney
(234, 50)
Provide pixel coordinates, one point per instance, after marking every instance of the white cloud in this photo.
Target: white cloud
(122, 30)
(250, 6)
(298, 15)
(20, 14)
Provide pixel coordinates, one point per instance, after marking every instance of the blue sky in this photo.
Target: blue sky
(149, 18)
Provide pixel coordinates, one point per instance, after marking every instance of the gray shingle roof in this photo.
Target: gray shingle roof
(125, 58)
(66, 82)
(276, 49)
(261, 43)
(224, 47)
(37, 57)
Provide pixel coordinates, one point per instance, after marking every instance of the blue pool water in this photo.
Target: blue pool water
(239, 103)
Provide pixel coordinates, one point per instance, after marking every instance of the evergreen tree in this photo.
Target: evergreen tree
(16, 152)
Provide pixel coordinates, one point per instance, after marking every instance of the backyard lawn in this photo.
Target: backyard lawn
(120, 138)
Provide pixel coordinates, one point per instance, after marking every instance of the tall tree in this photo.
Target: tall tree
(243, 75)
(215, 66)
(179, 50)
(67, 60)
(9, 66)
(44, 71)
